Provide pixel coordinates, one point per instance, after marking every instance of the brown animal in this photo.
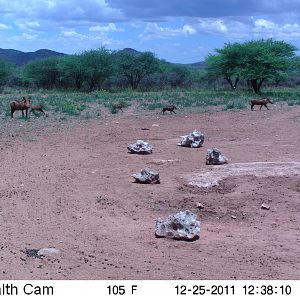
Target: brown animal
(262, 102)
(170, 108)
(119, 106)
(20, 105)
(37, 108)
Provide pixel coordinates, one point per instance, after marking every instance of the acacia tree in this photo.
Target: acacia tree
(225, 64)
(71, 70)
(254, 61)
(135, 66)
(5, 71)
(43, 72)
(97, 66)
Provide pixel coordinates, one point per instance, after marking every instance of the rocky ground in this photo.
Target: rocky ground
(68, 185)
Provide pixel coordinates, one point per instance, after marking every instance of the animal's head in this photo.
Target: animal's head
(27, 101)
(174, 106)
(269, 100)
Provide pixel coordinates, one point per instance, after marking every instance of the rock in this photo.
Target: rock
(146, 176)
(48, 251)
(265, 206)
(200, 206)
(193, 140)
(233, 217)
(140, 147)
(215, 157)
(181, 226)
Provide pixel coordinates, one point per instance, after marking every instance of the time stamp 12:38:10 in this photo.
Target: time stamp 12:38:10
(230, 290)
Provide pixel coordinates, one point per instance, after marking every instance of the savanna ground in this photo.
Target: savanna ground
(66, 183)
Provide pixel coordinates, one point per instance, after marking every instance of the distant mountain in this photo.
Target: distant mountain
(20, 58)
(130, 51)
(197, 65)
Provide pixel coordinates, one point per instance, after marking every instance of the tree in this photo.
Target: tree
(254, 61)
(225, 64)
(71, 70)
(97, 66)
(43, 73)
(135, 66)
(5, 71)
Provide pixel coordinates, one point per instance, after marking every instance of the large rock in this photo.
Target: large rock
(181, 226)
(140, 147)
(193, 140)
(215, 157)
(146, 176)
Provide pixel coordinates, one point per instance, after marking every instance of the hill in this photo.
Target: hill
(20, 58)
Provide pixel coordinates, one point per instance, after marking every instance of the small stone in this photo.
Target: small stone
(265, 206)
(200, 206)
(140, 147)
(233, 217)
(215, 157)
(146, 176)
(194, 139)
(155, 125)
(181, 226)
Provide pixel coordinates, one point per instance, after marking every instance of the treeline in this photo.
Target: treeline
(249, 64)
(99, 69)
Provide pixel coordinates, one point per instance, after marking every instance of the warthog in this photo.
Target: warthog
(37, 108)
(170, 108)
(20, 105)
(262, 102)
(118, 106)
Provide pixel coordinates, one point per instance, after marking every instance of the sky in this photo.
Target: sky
(181, 31)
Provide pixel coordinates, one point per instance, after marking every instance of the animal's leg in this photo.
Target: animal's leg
(121, 109)
(22, 113)
(252, 105)
(266, 106)
(261, 107)
(12, 113)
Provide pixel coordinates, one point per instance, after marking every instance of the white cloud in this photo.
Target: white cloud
(28, 25)
(4, 27)
(109, 28)
(268, 29)
(153, 30)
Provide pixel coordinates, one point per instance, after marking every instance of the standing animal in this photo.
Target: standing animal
(118, 106)
(20, 105)
(262, 102)
(170, 108)
(37, 108)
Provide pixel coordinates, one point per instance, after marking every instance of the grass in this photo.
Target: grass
(88, 105)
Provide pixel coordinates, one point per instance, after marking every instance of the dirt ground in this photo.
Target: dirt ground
(68, 185)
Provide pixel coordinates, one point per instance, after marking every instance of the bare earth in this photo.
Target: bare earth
(68, 186)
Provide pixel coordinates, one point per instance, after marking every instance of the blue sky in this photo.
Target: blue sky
(181, 31)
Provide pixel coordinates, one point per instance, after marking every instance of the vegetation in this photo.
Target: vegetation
(86, 83)
(254, 61)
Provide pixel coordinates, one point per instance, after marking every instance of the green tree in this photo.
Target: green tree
(43, 73)
(226, 64)
(97, 66)
(254, 61)
(135, 66)
(6, 70)
(71, 70)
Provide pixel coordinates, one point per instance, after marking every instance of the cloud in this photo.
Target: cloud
(153, 30)
(268, 29)
(109, 28)
(160, 10)
(4, 27)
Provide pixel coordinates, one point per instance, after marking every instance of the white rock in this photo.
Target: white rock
(48, 251)
(182, 226)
